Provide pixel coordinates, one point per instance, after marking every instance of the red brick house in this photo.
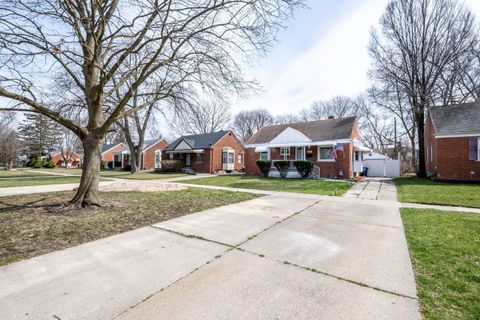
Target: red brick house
(109, 149)
(314, 141)
(452, 142)
(57, 158)
(151, 155)
(207, 153)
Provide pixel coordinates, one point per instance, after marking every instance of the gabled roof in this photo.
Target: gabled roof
(460, 119)
(198, 141)
(146, 144)
(109, 146)
(320, 130)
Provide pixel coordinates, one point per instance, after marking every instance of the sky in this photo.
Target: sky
(321, 55)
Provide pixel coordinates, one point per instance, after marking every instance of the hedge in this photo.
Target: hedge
(304, 168)
(264, 166)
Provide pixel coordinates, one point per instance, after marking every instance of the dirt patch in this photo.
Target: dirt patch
(141, 186)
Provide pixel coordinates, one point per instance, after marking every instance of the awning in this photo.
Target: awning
(261, 149)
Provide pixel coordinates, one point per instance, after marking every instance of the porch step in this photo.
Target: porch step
(188, 171)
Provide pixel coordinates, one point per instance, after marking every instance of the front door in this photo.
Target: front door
(187, 159)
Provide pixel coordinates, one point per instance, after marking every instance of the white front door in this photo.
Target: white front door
(187, 159)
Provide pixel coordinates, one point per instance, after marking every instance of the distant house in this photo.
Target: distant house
(452, 142)
(109, 149)
(207, 153)
(57, 158)
(151, 155)
(315, 141)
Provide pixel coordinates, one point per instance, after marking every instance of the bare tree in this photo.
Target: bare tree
(417, 43)
(246, 123)
(202, 117)
(95, 43)
(10, 145)
(68, 145)
(338, 107)
(287, 118)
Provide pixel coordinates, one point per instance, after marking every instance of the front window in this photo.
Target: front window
(170, 156)
(284, 151)
(357, 156)
(224, 156)
(199, 157)
(240, 158)
(158, 158)
(231, 157)
(263, 155)
(324, 153)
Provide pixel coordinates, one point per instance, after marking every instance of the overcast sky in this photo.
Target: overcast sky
(321, 55)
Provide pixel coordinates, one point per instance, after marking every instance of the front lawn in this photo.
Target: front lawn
(18, 173)
(37, 181)
(311, 186)
(429, 192)
(445, 252)
(148, 175)
(37, 224)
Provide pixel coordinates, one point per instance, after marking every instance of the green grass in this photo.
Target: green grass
(73, 171)
(445, 251)
(37, 181)
(426, 191)
(37, 224)
(321, 187)
(19, 173)
(142, 175)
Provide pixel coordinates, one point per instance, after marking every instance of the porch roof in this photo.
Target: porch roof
(186, 151)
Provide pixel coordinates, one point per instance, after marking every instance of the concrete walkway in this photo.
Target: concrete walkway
(281, 256)
(439, 207)
(373, 189)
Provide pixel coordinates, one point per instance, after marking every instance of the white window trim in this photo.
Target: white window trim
(324, 160)
(240, 158)
(283, 149)
(430, 153)
(478, 149)
(304, 153)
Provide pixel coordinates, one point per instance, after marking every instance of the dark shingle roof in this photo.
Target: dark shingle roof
(198, 141)
(456, 119)
(320, 130)
(146, 144)
(109, 146)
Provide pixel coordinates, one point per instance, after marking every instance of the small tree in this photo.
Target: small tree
(9, 147)
(264, 166)
(282, 167)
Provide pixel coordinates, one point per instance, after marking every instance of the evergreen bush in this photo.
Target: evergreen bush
(264, 166)
(304, 168)
(282, 167)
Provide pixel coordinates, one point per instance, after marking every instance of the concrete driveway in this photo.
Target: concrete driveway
(282, 256)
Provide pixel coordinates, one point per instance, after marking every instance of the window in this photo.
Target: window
(357, 156)
(263, 155)
(430, 153)
(240, 158)
(285, 151)
(158, 159)
(478, 147)
(300, 153)
(199, 157)
(224, 156)
(170, 156)
(474, 149)
(231, 157)
(324, 154)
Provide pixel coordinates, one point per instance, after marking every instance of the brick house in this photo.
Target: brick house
(57, 158)
(109, 149)
(312, 140)
(207, 153)
(452, 142)
(151, 155)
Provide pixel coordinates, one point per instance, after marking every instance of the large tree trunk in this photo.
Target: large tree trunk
(422, 172)
(87, 193)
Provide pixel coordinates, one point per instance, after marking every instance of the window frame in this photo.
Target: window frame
(260, 155)
(282, 153)
(240, 158)
(478, 149)
(304, 156)
(325, 160)
(202, 157)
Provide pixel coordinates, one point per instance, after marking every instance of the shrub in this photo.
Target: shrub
(34, 162)
(102, 164)
(282, 167)
(304, 168)
(110, 165)
(264, 166)
(127, 167)
(49, 164)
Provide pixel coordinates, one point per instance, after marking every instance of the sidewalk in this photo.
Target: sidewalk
(373, 189)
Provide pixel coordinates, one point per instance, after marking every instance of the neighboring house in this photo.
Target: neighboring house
(57, 158)
(207, 153)
(109, 149)
(452, 142)
(314, 141)
(151, 155)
